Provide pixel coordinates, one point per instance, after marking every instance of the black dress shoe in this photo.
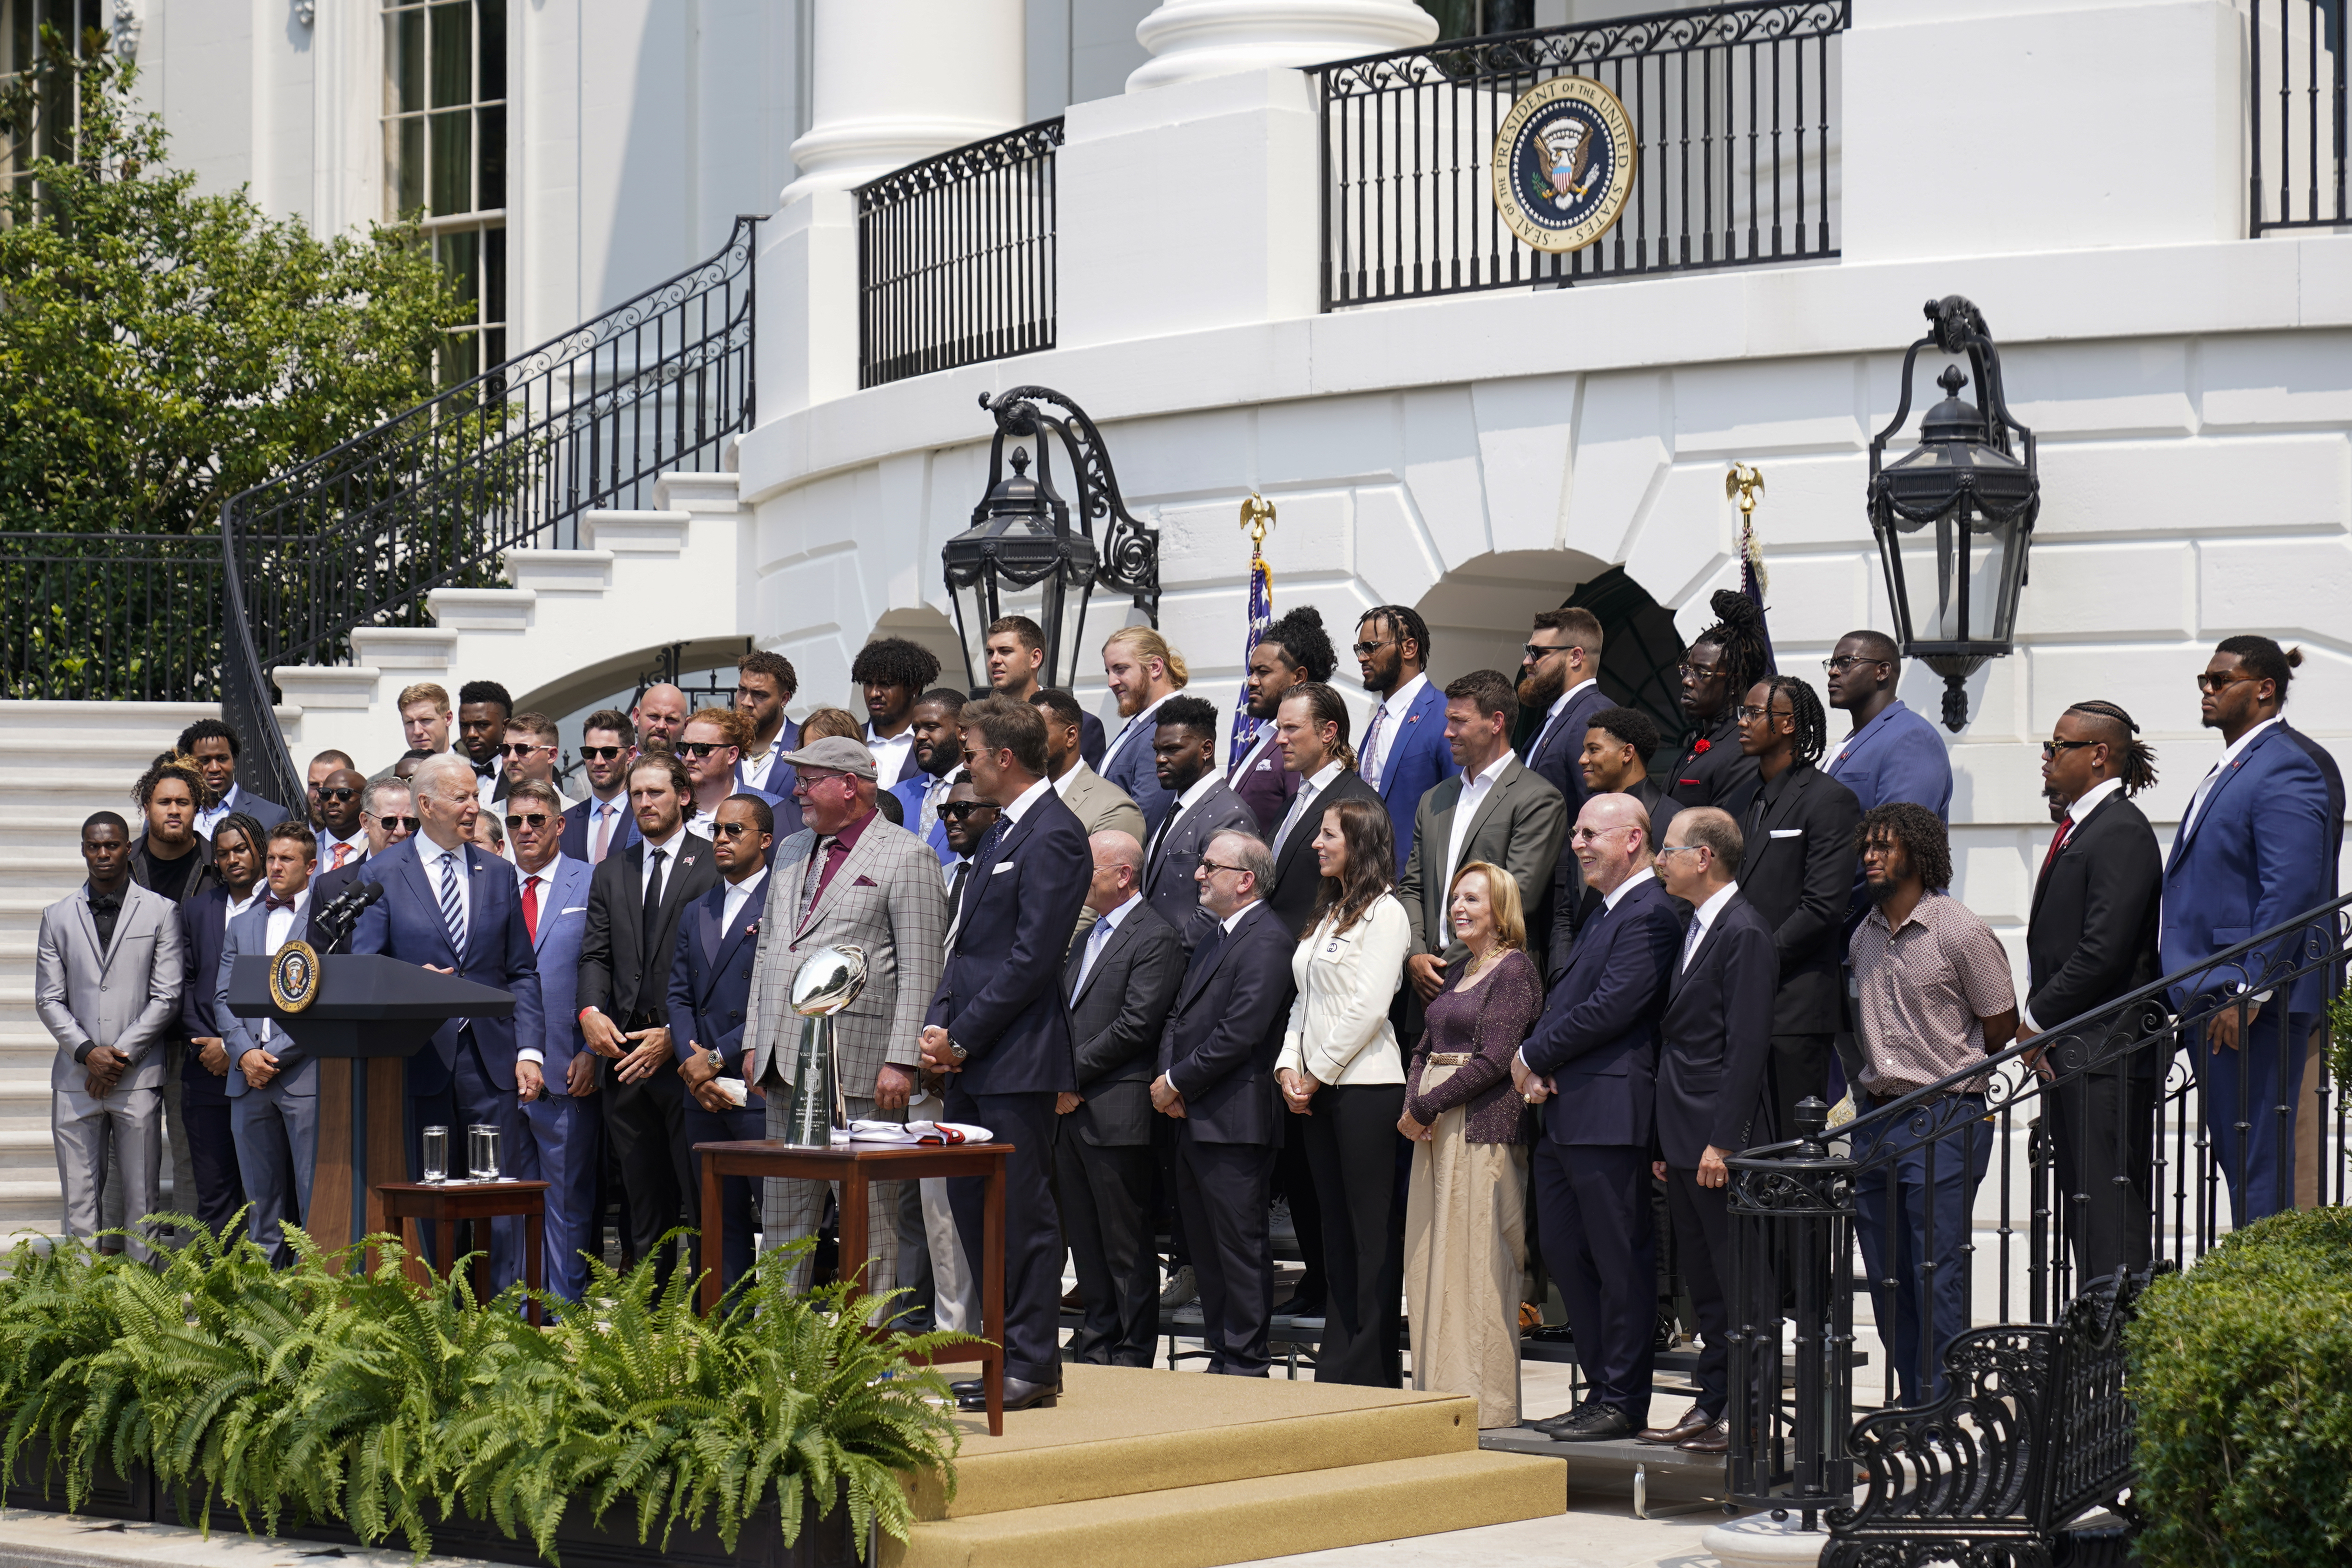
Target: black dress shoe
(1690, 1422)
(1594, 1422)
(1299, 1306)
(963, 1386)
(1020, 1393)
(1552, 1334)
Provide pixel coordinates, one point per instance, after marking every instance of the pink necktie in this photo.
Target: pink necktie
(603, 836)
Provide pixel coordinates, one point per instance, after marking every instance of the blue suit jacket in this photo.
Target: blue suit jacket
(780, 780)
(1598, 1037)
(1418, 760)
(574, 844)
(711, 976)
(203, 933)
(1137, 772)
(1897, 757)
(248, 934)
(562, 922)
(1556, 755)
(910, 796)
(406, 924)
(1000, 996)
(2256, 857)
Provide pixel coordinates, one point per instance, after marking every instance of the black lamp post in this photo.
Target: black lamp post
(1023, 535)
(1967, 479)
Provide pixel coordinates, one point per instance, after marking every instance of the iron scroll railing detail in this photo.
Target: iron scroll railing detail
(956, 257)
(1796, 1206)
(2298, 102)
(513, 458)
(1735, 117)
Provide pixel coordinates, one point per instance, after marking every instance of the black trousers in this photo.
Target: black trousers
(922, 1298)
(1351, 1146)
(1221, 1189)
(1801, 1068)
(1033, 1230)
(1104, 1193)
(1294, 1178)
(1594, 1203)
(2102, 1139)
(645, 1123)
(1702, 1221)
(220, 1190)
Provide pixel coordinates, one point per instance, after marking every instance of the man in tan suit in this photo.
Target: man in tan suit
(1100, 805)
(849, 877)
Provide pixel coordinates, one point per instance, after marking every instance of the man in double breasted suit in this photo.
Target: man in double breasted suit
(567, 1134)
(1118, 983)
(1216, 1077)
(106, 984)
(998, 1028)
(1200, 806)
(273, 1083)
(1591, 1062)
(849, 878)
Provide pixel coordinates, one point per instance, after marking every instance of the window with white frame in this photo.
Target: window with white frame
(444, 153)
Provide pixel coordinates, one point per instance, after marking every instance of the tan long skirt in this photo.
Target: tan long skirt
(1464, 1256)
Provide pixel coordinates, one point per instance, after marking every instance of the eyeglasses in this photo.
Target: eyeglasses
(724, 829)
(2222, 683)
(1698, 671)
(2052, 748)
(1536, 652)
(337, 794)
(1213, 866)
(699, 750)
(519, 750)
(1839, 665)
(602, 754)
(959, 810)
(1748, 711)
(1587, 835)
(1366, 650)
(1666, 850)
(406, 824)
(534, 820)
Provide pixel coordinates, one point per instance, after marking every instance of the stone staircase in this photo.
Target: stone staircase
(59, 763)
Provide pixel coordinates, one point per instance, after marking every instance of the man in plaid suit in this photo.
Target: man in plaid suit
(849, 877)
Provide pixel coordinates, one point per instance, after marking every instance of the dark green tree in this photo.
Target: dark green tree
(162, 349)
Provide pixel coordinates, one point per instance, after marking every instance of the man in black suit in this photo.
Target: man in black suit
(2091, 939)
(1592, 1063)
(997, 1026)
(1797, 870)
(1310, 731)
(1216, 1077)
(1714, 1042)
(1118, 984)
(1184, 752)
(635, 902)
(1559, 676)
(1723, 662)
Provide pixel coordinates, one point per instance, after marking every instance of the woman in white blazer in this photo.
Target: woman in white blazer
(1340, 1069)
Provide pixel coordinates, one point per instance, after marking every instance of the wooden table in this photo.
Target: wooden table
(443, 1203)
(855, 1166)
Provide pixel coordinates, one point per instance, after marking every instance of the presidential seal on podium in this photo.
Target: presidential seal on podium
(294, 976)
(1563, 164)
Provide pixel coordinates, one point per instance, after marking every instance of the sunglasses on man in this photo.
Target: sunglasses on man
(959, 810)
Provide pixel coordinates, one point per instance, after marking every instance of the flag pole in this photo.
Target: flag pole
(1258, 522)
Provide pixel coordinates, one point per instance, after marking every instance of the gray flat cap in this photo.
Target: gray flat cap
(837, 752)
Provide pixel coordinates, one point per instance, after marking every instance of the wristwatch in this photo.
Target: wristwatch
(957, 1052)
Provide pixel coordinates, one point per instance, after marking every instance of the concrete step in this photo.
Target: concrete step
(38, 826)
(169, 717)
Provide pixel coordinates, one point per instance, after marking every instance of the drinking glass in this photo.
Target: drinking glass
(436, 1153)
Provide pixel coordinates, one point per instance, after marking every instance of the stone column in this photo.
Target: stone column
(896, 80)
(1190, 40)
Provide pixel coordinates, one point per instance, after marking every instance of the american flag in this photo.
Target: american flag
(1261, 615)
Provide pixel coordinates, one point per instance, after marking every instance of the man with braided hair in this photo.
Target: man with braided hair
(1797, 869)
(1405, 753)
(1719, 667)
(2090, 938)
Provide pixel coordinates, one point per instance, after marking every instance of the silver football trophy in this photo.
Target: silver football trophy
(829, 980)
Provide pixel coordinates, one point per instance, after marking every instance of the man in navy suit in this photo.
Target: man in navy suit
(1591, 1063)
(997, 1026)
(205, 1064)
(764, 682)
(565, 1142)
(1144, 672)
(1405, 753)
(215, 747)
(710, 992)
(938, 752)
(2251, 854)
(273, 1083)
(603, 822)
(451, 906)
(1559, 676)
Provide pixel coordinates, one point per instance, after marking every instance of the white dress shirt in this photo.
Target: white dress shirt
(600, 811)
(1308, 791)
(1609, 900)
(210, 817)
(432, 856)
(1395, 706)
(2229, 758)
(1027, 798)
(669, 847)
(1474, 792)
(738, 894)
(1176, 808)
(273, 932)
(753, 773)
(889, 752)
(545, 876)
(1141, 724)
(1702, 918)
(1099, 937)
(2084, 803)
(354, 847)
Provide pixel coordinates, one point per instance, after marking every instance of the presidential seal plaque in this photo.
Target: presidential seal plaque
(294, 976)
(1563, 164)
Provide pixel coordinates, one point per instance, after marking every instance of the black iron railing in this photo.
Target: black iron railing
(1734, 109)
(1798, 1207)
(2297, 95)
(115, 617)
(514, 458)
(955, 257)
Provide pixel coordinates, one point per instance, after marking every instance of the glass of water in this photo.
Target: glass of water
(482, 1152)
(436, 1153)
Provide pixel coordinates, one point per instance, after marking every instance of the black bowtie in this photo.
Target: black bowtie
(106, 904)
(486, 770)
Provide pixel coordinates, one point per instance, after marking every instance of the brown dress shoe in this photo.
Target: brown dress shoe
(1688, 1422)
(1713, 1439)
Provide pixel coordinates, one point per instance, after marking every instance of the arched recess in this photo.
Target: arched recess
(927, 629)
(1640, 654)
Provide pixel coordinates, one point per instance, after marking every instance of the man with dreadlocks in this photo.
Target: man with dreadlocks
(1728, 658)
(1797, 869)
(2092, 939)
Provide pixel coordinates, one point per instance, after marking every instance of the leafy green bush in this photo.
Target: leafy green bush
(2241, 1376)
(324, 1392)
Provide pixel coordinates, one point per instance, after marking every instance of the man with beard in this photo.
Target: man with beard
(764, 682)
(936, 751)
(603, 823)
(1404, 754)
(660, 717)
(1144, 672)
(892, 674)
(1296, 650)
(1559, 676)
(1728, 657)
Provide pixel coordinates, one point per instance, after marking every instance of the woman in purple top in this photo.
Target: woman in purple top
(1465, 1215)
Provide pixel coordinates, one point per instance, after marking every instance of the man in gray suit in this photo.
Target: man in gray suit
(106, 984)
(1118, 984)
(1100, 805)
(848, 877)
(1496, 809)
(273, 1085)
(1200, 806)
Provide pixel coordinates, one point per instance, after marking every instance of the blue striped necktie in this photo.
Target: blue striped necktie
(453, 912)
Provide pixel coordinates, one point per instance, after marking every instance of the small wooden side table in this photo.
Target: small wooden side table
(855, 1166)
(443, 1203)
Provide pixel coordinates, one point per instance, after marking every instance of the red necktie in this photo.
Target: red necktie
(531, 907)
(2064, 828)
(341, 851)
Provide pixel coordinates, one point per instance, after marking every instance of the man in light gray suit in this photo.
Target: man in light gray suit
(848, 877)
(1100, 805)
(273, 1084)
(106, 984)
(1496, 809)
(1200, 807)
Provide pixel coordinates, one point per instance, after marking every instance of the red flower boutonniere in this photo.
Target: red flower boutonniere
(1702, 746)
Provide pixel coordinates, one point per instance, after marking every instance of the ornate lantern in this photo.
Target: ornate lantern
(1967, 479)
(1026, 551)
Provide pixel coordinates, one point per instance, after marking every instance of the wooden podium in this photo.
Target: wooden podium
(371, 1013)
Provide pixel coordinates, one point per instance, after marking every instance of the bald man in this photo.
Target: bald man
(1118, 984)
(659, 716)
